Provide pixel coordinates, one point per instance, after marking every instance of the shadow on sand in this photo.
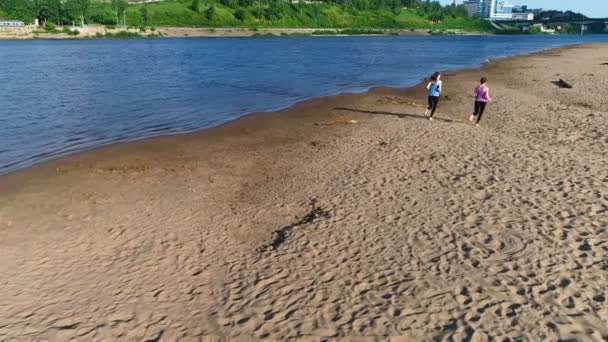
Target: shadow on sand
(399, 115)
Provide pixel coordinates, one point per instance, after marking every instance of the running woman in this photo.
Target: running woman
(435, 87)
(482, 97)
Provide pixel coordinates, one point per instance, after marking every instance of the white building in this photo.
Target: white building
(11, 23)
(523, 16)
(500, 10)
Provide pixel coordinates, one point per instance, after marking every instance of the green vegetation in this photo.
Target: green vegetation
(330, 17)
(145, 15)
(350, 16)
(121, 34)
(50, 27)
(196, 5)
(534, 30)
(69, 32)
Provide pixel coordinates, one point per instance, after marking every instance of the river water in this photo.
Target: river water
(62, 96)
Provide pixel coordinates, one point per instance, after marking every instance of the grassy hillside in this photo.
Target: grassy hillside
(283, 14)
(359, 14)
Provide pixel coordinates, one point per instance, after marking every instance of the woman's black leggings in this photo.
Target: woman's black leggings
(433, 102)
(479, 109)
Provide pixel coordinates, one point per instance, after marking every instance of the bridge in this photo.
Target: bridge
(525, 24)
(586, 21)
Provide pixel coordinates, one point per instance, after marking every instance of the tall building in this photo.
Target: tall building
(520, 9)
(485, 8)
(472, 7)
(490, 9)
(501, 10)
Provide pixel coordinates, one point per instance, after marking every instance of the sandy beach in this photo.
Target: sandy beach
(91, 32)
(350, 217)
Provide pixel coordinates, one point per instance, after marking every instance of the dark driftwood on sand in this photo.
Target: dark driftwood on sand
(562, 84)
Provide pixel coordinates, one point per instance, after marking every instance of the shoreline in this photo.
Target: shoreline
(99, 32)
(416, 88)
(56, 163)
(340, 217)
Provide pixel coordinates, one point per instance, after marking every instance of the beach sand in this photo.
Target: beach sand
(31, 32)
(349, 216)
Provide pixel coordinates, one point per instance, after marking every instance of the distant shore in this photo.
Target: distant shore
(91, 32)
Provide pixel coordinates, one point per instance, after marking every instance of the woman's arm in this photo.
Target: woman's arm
(428, 86)
(488, 94)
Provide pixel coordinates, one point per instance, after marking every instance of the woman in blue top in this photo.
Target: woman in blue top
(435, 87)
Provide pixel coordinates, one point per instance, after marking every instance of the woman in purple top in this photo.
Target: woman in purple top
(482, 97)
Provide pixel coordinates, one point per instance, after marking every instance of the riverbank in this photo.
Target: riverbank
(350, 215)
(92, 32)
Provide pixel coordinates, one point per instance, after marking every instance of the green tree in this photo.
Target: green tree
(210, 13)
(71, 11)
(230, 3)
(240, 14)
(102, 13)
(534, 29)
(246, 3)
(120, 7)
(18, 9)
(76, 10)
(257, 12)
(48, 10)
(196, 6)
(145, 14)
(50, 27)
(83, 6)
(274, 12)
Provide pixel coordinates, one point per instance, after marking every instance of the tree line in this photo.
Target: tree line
(329, 13)
(75, 12)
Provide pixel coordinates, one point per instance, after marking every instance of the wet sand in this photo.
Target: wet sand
(348, 216)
